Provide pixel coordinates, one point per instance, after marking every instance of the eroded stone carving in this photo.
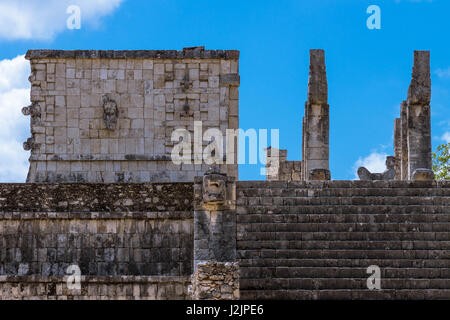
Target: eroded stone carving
(319, 175)
(33, 110)
(29, 144)
(214, 187)
(388, 174)
(216, 269)
(110, 113)
(423, 174)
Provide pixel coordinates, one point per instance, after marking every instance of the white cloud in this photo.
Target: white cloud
(446, 137)
(443, 73)
(14, 126)
(43, 19)
(375, 162)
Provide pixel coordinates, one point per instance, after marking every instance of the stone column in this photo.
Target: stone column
(398, 148)
(316, 121)
(418, 119)
(404, 140)
(216, 270)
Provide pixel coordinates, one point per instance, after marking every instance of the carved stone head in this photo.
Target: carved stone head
(319, 174)
(214, 188)
(110, 113)
(390, 162)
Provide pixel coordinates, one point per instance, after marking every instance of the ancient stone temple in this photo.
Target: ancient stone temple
(108, 116)
(170, 231)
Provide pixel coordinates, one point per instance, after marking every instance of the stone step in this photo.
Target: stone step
(245, 234)
(346, 227)
(342, 200)
(342, 217)
(343, 192)
(388, 294)
(343, 254)
(343, 209)
(339, 283)
(343, 245)
(355, 184)
(342, 272)
(318, 263)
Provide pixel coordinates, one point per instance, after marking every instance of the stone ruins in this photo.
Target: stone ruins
(108, 116)
(315, 132)
(195, 231)
(412, 131)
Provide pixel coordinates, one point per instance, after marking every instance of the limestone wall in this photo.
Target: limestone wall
(94, 288)
(294, 240)
(117, 234)
(279, 169)
(108, 116)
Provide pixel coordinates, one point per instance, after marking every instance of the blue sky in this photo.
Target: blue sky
(368, 70)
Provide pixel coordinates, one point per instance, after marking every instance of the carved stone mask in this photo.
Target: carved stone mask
(214, 189)
(110, 113)
(390, 162)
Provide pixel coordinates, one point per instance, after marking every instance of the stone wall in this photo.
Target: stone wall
(278, 168)
(94, 288)
(315, 240)
(119, 235)
(294, 240)
(108, 116)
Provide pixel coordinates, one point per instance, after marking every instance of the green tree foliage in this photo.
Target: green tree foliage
(441, 162)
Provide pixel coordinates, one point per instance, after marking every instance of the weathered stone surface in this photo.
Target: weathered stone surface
(200, 53)
(419, 91)
(279, 169)
(106, 230)
(315, 146)
(319, 174)
(214, 188)
(95, 288)
(109, 116)
(398, 148)
(317, 84)
(216, 271)
(110, 113)
(315, 239)
(422, 175)
(215, 281)
(412, 131)
(91, 197)
(388, 174)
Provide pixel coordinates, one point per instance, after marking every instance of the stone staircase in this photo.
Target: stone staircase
(315, 240)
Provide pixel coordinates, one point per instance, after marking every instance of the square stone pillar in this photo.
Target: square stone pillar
(316, 122)
(216, 270)
(418, 119)
(398, 148)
